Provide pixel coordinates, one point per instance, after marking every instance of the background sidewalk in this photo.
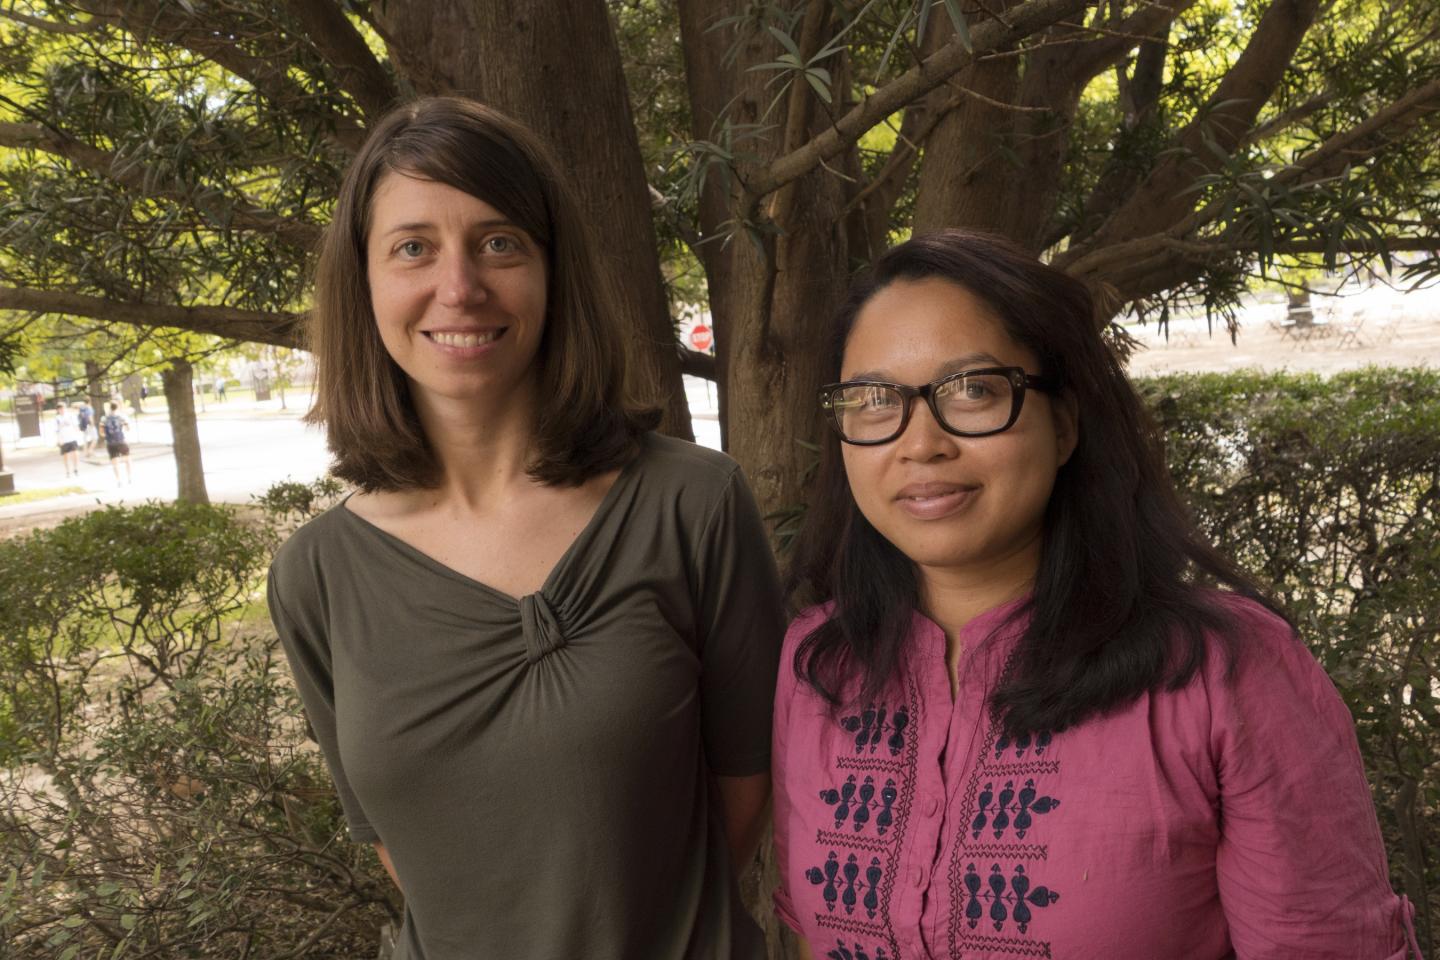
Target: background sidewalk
(246, 447)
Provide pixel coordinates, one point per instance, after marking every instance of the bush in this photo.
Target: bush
(159, 797)
(1327, 489)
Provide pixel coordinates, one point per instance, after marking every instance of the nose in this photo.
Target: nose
(923, 439)
(461, 282)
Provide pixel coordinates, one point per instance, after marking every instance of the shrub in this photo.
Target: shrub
(1327, 489)
(159, 797)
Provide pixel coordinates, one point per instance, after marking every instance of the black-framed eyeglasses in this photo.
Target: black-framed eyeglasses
(971, 403)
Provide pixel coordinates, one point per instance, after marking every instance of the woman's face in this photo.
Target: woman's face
(969, 505)
(459, 292)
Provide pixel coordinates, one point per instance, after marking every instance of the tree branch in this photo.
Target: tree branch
(279, 329)
(1338, 151)
(693, 363)
(1365, 137)
(1285, 119)
(919, 80)
(878, 197)
(158, 20)
(1161, 200)
(1144, 24)
(686, 232)
(245, 215)
(54, 26)
(337, 40)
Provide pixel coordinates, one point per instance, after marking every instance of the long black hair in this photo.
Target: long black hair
(1116, 608)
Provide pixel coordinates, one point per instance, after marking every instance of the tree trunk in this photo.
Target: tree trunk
(559, 71)
(969, 175)
(179, 394)
(772, 287)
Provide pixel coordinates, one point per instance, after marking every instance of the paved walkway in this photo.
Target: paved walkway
(1376, 327)
(246, 447)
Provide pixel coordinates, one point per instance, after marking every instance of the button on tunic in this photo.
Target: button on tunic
(1228, 818)
(538, 767)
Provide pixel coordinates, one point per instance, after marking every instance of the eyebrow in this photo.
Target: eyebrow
(956, 365)
(419, 225)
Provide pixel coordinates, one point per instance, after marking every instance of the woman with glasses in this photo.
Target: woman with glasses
(537, 647)
(1028, 711)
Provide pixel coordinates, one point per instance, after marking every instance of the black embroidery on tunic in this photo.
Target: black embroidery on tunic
(1008, 899)
(861, 806)
(1010, 809)
(870, 724)
(855, 952)
(869, 801)
(844, 882)
(996, 872)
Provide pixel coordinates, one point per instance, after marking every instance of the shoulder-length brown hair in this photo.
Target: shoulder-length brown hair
(586, 423)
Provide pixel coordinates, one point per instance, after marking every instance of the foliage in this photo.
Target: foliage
(161, 156)
(291, 502)
(1329, 489)
(159, 797)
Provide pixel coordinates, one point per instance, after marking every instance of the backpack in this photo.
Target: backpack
(114, 427)
(84, 417)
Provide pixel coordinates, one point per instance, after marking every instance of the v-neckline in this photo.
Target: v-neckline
(602, 510)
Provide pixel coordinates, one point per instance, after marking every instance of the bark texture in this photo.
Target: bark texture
(774, 284)
(178, 380)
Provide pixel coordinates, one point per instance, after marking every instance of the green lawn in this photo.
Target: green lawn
(44, 493)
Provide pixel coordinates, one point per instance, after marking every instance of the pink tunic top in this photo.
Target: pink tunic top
(1224, 819)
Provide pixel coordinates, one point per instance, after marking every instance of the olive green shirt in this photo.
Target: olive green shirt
(539, 768)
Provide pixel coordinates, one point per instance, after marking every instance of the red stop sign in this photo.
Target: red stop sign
(700, 337)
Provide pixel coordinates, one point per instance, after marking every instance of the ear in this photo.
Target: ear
(1065, 415)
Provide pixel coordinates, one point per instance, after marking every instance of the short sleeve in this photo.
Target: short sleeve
(303, 637)
(740, 621)
(1301, 867)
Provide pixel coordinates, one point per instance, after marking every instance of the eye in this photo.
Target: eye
(502, 245)
(977, 389)
(882, 398)
(411, 249)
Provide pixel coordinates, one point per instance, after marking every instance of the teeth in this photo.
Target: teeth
(464, 339)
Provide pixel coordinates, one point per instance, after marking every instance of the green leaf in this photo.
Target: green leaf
(786, 41)
(962, 28)
(924, 20)
(818, 85)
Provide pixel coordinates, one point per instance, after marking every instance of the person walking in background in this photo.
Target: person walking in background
(1029, 711)
(85, 417)
(67, 438)
(113, 428)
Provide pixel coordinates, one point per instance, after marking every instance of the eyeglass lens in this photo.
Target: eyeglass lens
(977, 403)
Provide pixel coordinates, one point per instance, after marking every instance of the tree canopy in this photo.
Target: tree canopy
(172, 162)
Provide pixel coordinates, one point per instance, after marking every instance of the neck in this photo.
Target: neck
(482, 448)
(954, 596)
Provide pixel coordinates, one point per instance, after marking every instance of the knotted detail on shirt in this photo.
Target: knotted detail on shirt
(543, 635)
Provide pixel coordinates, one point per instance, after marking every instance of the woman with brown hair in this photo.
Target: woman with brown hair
(538, 645)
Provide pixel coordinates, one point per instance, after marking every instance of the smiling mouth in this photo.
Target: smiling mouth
(464, 339)
(933, 501)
